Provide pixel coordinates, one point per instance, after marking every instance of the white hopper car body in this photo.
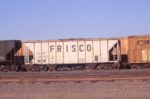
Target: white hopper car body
(72, 51)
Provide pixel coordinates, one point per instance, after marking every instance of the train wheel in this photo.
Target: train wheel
(147, 66)
(44, 68)
(27, 68)
(35, 69)
(105, 67)
(51, 67)
(6, 69)
(133, 66)
(90, 66)
(14, 68)
(116, 66)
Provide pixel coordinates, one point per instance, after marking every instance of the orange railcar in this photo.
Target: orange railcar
(139, 49)
(124, 49)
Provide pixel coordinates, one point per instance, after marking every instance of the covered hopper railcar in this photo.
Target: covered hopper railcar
(72, 54)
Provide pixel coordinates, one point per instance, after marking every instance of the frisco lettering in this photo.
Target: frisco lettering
(71, 48)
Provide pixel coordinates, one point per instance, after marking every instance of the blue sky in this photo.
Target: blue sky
(58, 19)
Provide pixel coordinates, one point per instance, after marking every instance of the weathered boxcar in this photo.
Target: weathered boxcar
(139, 51)
(72, 52)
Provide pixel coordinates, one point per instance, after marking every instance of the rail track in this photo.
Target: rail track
(75, 76)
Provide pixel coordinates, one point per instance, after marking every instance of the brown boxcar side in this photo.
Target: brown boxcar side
(139, 49)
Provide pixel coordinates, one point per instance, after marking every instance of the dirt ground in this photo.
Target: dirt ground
(76, 90)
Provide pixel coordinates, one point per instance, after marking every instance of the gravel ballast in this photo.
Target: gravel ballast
(76, 90)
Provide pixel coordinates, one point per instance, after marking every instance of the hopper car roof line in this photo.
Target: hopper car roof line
(74, 39)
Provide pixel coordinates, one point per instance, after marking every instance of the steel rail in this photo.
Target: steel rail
(75, 76)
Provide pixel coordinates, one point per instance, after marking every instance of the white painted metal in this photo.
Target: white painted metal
(81, 52)
(69, 52)
(96, 51)
(29, 52)
(45, 53)
(104, 51)
(59, 51)
(38, 54)
(111, 44)
(52, 53)
(89, 51)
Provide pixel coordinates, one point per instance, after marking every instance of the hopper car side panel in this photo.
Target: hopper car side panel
(29, 53)
(72, 52)
(89, 51)
(82, 53)
(96, 51)
(52, 53)
(104, 50)
(45, 57)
